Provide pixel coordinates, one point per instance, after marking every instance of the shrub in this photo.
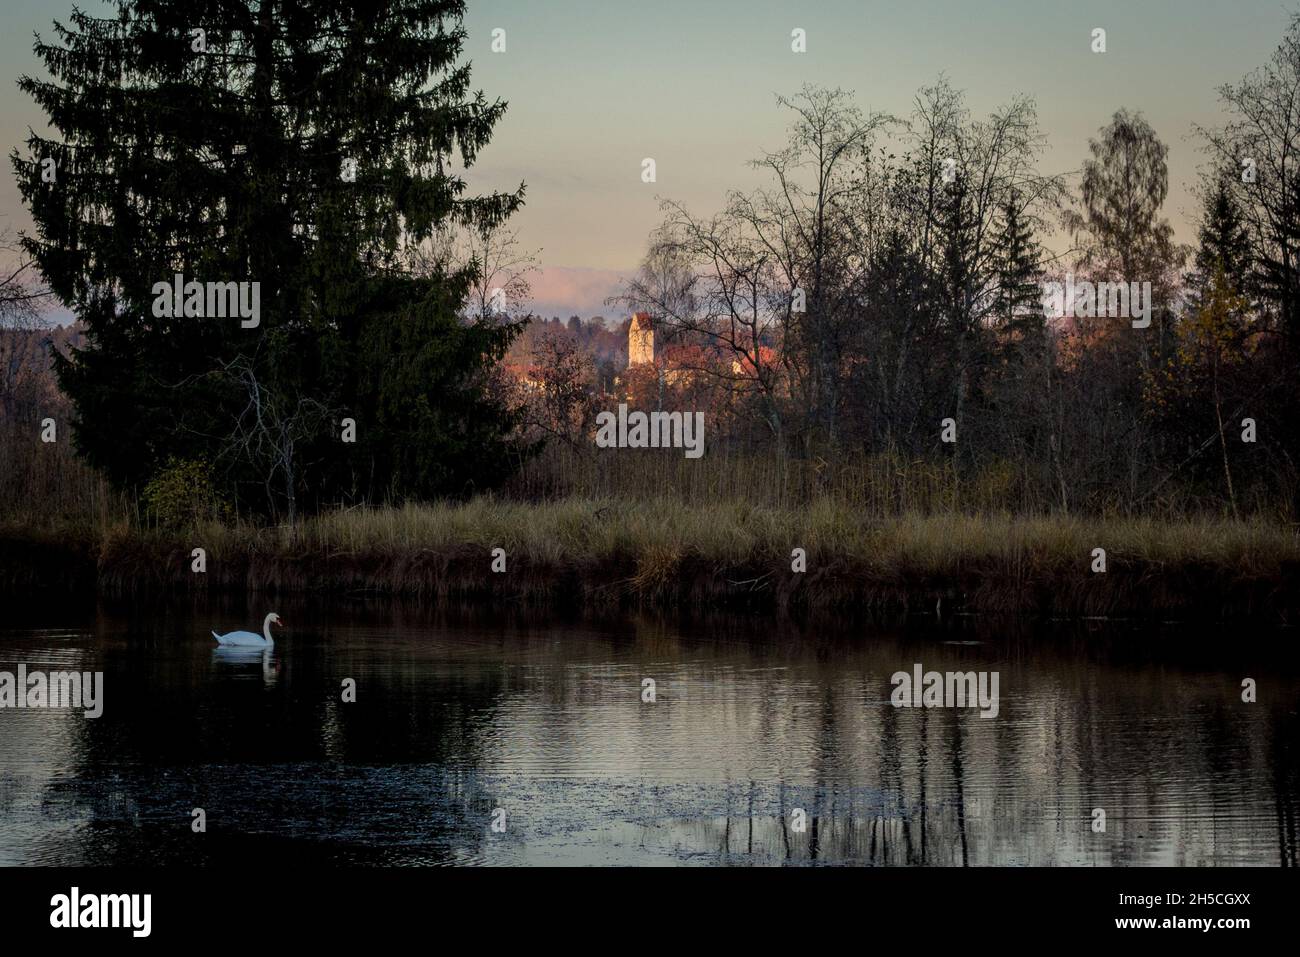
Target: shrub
(182, 493)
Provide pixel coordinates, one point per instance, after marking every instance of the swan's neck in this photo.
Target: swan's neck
(266, 629)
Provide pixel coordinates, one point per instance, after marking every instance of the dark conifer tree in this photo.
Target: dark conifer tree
(1222, 242)
(299, 144)
(1019, 292)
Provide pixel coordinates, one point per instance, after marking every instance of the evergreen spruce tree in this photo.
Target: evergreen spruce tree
(1019, 294)
(1021, 347)
(1222, 243)
(303, 146)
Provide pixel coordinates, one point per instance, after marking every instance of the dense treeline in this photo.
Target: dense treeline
(891, 276)
(870, 323)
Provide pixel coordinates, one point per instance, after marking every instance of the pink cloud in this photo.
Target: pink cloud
(572, 291)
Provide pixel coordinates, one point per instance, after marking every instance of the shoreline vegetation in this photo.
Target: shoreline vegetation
(590, 530)
(898, 375)
(600, 553)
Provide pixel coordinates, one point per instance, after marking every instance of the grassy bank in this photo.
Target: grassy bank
(594, 552)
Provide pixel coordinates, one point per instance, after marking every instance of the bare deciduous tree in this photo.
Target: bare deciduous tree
(269, 432)
(561, 402)
(22, 296)
(500, 267)
(1259, 147)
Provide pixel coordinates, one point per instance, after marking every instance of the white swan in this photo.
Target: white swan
(246, 639)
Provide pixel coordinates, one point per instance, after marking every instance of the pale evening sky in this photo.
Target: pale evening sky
(594, 87)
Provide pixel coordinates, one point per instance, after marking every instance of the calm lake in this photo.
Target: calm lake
(754, 721)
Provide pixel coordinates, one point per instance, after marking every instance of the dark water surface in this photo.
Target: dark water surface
(455, 717)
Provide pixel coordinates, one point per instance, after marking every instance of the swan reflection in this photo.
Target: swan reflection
(246, 659)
